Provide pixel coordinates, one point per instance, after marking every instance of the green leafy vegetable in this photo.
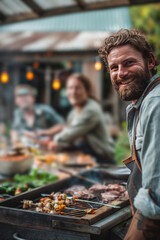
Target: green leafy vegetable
(26, 182)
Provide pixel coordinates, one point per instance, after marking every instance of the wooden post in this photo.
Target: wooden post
(16, 76)
(48, 78)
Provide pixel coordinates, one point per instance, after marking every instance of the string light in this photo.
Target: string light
(56, 85)
(98, 65)
(30, 75)
(49, 54)
(4, 77)
(37, 55)
(36, 64)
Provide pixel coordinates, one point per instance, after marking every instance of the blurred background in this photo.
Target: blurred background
(43, 42)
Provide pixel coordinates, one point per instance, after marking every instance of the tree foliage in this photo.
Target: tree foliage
(146, 18)
(122, 147)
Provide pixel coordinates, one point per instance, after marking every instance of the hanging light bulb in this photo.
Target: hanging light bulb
(36, 64)
(56, 85)
(98, 65)
(29, 75)
(49, 54)
(4, 77)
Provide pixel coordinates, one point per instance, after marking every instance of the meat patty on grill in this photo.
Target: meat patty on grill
(108, 196)
(85, 195)
(108, 193)
(75, 189)
(116, 187)
(80, 192)
(114, 195)
(98, 188)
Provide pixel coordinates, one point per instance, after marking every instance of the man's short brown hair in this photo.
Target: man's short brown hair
(123, 37)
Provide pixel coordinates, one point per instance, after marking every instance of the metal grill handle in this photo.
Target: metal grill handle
(15, 236)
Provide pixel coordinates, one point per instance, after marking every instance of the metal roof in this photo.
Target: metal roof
(20, 10)
(43, 42)
(109, 20)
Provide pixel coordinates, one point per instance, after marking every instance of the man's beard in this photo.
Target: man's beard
(27, 108)
(135, 90)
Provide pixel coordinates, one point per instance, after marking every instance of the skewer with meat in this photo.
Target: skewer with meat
(76, 198)
(44, 206)
(52, 206)
(60, 198)
(27, 204)
(45, 199)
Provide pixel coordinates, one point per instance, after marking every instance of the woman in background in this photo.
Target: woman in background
(85, 129)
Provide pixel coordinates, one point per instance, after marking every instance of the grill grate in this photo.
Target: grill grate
(78, 204)
(82, 206)
(71, 212)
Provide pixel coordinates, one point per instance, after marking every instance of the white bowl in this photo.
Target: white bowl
(9, 167)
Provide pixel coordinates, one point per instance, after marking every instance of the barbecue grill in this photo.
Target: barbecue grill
(17, 223)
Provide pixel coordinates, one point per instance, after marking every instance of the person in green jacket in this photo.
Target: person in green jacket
(29, 116)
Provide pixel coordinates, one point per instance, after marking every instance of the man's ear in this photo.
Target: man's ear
(151, 61)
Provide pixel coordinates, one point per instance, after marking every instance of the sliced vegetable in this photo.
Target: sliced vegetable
(18, 191)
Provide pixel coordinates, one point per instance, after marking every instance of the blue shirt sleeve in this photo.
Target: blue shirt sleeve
(149, 156)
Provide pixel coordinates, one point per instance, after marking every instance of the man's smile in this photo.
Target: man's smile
(126, 83)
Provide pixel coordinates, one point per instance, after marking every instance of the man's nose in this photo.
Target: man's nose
(122, 72)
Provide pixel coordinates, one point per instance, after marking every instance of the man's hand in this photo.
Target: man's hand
(52, 146)
(29, 134)
(50, 131)
(40, 133)
(14, 136)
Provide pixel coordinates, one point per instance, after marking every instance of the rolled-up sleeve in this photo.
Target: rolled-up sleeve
(148, 197)
(81, 125)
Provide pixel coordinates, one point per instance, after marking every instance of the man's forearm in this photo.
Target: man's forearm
(53, 130)
(14, 136)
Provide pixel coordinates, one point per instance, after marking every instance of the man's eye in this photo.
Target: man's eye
(129, 62)
(113, 67)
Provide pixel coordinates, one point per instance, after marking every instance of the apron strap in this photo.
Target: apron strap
(134, 155)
